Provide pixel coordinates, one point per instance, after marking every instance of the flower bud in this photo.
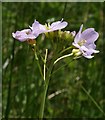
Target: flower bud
(76, 52)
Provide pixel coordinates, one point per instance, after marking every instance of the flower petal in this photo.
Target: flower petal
(87, 48)
(91, 45)
(23, 35)
(94, 51)
(75, 44)
(58, 25)
(89, 35)
(55, 24)
(84, 48)
(38, 28)
(26, 31)
(88, 56)
(78, 36)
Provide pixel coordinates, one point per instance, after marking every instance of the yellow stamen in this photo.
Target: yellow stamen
(47, 26)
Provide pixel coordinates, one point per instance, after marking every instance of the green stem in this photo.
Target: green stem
(47, 79)
(65, 56)
(68, 48)
(41, 113)
(39, 53)
(37, 60)
(93, 100)
(45, 89)
(45, 64)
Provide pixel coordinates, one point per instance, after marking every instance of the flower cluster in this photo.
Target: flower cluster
(38, 29)
(83, 41)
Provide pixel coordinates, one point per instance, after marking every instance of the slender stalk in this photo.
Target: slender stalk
(45, 64)
(47, 79)
(68, 48)
(39, 53)
(37, 60)
(41, 112)
(62, 66)
(65, 56)
(93, 100)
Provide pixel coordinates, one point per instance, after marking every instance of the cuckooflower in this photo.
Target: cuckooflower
(84, 41)
(39, 28)
(24, 35)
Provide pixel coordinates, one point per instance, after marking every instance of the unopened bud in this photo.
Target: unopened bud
(76, 52)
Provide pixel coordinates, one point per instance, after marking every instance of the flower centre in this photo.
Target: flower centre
(82, 42)
(27, 32)
(47, 26)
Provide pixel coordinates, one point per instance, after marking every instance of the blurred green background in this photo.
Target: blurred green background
(21, 72)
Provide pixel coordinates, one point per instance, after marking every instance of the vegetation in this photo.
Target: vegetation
(80, 82)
